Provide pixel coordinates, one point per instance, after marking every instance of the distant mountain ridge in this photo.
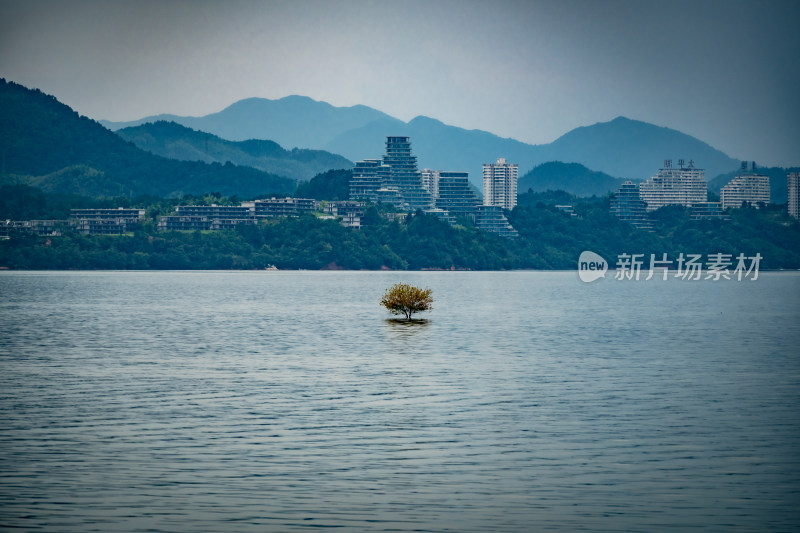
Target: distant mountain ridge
(293, 121)
(172, 140)
(48, 145)
(622, 148)
(633, 149)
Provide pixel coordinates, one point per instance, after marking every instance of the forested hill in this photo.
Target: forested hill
(174, 141)
(573, 178)
(46, 144)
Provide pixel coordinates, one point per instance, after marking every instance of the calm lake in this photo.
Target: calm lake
(287, 401)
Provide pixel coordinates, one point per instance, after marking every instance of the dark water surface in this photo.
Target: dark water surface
(286, 401)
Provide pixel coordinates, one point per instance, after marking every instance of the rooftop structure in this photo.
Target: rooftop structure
(500, 184)
(685, 185)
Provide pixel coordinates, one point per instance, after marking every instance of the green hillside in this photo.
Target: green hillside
(46, 144)
(174, 141)
(573, 178)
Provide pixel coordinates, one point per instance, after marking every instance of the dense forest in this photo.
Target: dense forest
(549, 238)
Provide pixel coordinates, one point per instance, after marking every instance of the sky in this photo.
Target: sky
(726, 72)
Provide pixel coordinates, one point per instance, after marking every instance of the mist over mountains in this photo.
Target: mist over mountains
(621, 148)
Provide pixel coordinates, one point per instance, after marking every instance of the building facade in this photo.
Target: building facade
(628, 206)
(47, 228)
(750, 188)
(403, 174)
(685, 185)
(284, 207)
(105, 221)
(500, 184)
(222, 217)
(394, 179)
(793, 186)
(369, 177)
(452, 192)
(491, 218)
(348, 211)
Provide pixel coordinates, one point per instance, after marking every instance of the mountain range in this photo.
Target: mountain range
(174, 141)
(622, 148)
(46, 144)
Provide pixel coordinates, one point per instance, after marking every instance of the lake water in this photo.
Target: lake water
(286, 401)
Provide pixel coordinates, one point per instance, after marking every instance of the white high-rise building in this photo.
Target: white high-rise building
(500, 184)
(429, 180)
(751, 188)
(793, 184)
(675, 186)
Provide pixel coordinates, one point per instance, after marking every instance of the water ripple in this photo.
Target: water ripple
(288, 402)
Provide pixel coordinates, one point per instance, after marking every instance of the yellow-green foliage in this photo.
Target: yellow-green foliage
(403, 299)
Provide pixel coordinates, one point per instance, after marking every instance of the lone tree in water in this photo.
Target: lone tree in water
(402, 299)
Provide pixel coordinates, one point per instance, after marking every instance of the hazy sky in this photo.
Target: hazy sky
(727, 72)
